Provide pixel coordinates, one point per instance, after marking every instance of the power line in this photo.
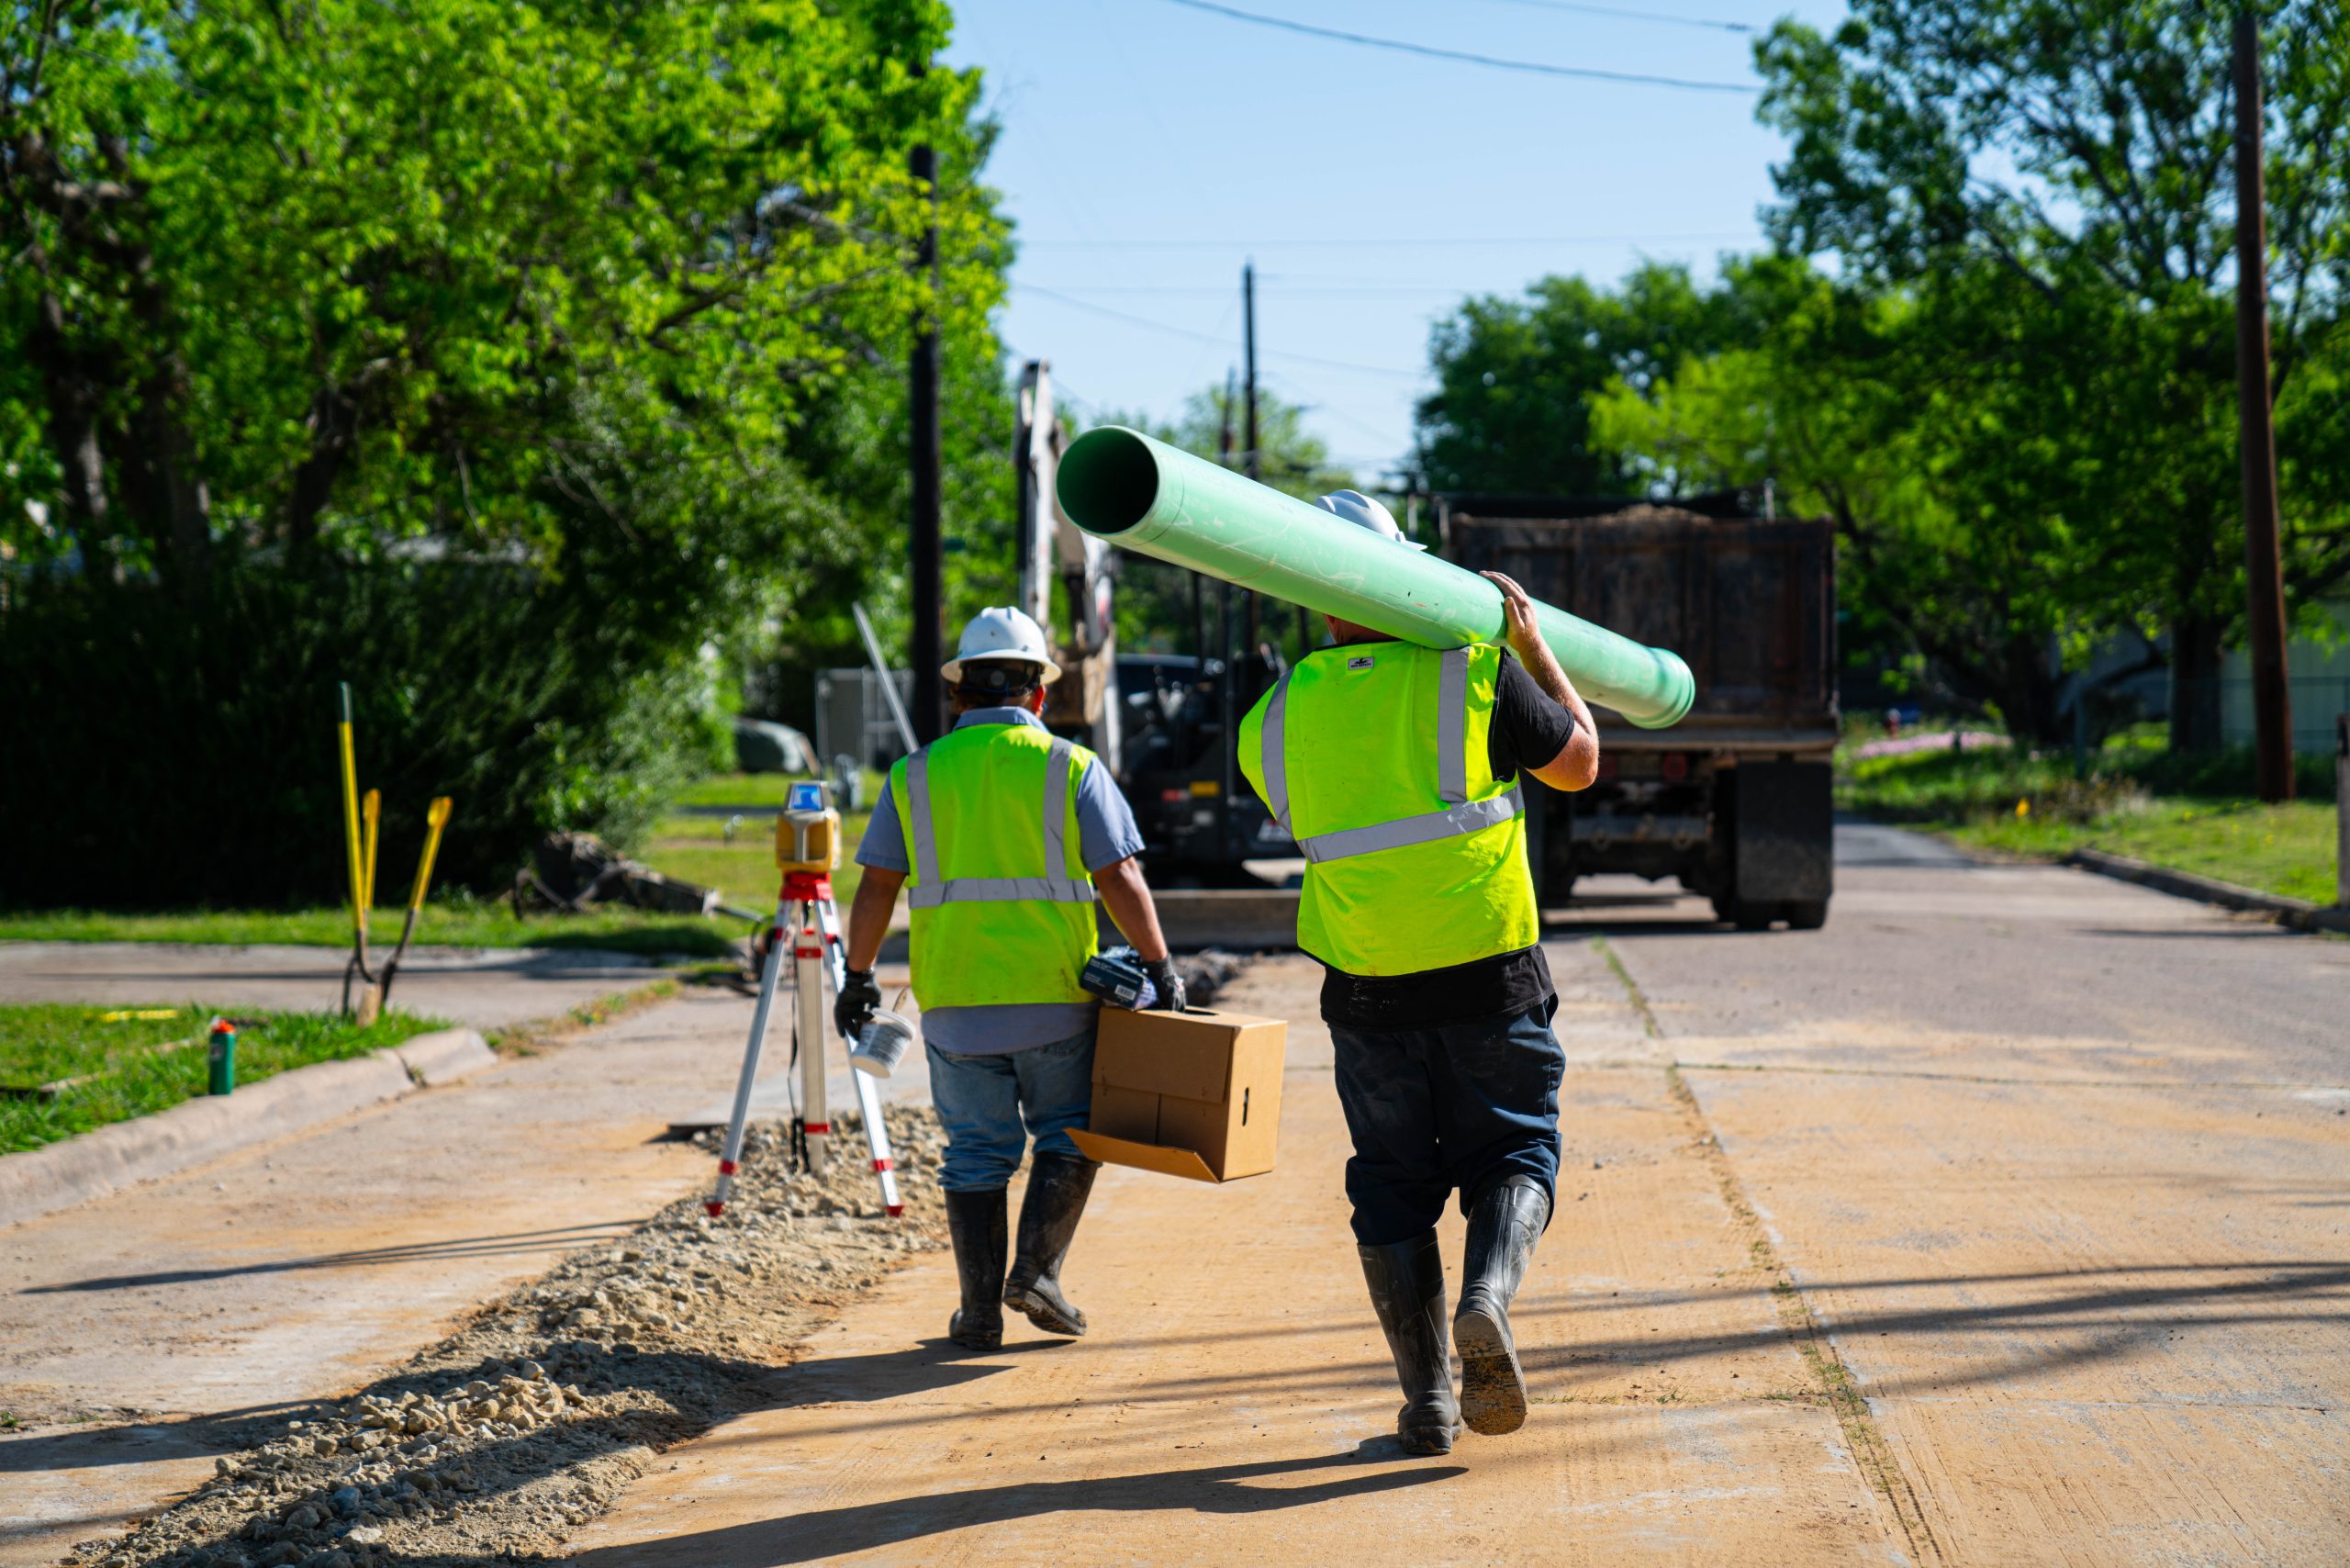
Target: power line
(1495, 61)
(1634, 16)
(1342, 291)
(1397, 243)
(1077, 304)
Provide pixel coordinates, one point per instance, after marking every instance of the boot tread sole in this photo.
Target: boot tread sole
(1493, 1386)
(1043, 1314)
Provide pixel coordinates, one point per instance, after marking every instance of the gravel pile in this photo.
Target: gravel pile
(493, 1445)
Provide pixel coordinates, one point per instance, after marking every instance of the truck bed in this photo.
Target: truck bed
(1749, 602)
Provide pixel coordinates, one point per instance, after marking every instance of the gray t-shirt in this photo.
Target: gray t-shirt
(1106, 835)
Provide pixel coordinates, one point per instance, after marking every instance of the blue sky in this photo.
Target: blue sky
(1149, 148)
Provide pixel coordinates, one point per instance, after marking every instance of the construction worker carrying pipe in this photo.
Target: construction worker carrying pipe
(1395, 767)
(1004, 836)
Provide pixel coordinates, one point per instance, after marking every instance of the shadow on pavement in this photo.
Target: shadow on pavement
(565, 1237)
(1212, 1489)
(2081, 1319)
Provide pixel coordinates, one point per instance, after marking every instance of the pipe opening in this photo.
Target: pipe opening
(1108, 480)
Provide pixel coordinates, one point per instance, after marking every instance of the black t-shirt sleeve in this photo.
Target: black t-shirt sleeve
(1528, 728)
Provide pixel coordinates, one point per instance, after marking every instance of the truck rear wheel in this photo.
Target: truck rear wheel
(1741, 913)
(1806, 915)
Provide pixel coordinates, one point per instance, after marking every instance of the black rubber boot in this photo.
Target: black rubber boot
(1406, 1280)
(1503, 1229)
(975, 1220)
(1059, 1186)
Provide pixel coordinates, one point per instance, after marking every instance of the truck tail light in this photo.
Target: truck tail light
(1676, 767)
(1606, 768)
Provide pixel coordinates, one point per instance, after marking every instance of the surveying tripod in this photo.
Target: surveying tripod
(807, 848)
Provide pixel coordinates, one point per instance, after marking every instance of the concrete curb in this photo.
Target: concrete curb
(43, 1181)
(444, 1056)
(2299, 914)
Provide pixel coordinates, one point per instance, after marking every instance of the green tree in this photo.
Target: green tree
(1515, 378)
(2051, 184)
(356, 272)
(506, 358)
(1837, 402)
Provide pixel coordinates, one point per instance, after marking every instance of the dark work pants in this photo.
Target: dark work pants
(1435, 1111)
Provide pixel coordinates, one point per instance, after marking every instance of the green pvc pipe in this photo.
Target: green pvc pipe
(1149, 497)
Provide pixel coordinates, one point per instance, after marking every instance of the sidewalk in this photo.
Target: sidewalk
(483, 988)
(139, 1333)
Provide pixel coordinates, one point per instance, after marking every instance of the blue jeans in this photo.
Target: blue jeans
(984, 1101)
(1432, 1111)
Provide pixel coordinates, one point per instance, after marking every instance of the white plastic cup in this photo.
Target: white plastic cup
(882, 1044)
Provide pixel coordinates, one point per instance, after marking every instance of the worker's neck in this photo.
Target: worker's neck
(1345, 632)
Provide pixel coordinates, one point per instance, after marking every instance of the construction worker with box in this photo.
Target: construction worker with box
(1395, 767)
(1004, 836)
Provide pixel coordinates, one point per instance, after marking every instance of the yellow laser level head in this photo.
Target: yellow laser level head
(807, 834)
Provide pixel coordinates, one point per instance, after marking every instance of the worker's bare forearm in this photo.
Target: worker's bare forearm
(1127, 898)
(1577, 765)
(868, 917)
(1543, 666)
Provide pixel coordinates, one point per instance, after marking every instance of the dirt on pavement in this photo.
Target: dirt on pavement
(1234, 1401)
(492, 1444)
(143, 1334)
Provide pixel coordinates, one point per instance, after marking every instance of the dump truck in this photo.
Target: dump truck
(1735, 801)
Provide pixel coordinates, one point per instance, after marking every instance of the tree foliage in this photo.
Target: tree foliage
(1515, 378)
(607, 306)
(2049, 186)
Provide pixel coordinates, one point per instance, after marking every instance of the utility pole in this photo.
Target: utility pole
(1224, 425)
(930, 697)
(2272, 701)
(1254, 455)
(1255, 460)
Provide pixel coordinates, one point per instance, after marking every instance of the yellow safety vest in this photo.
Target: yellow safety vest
(1003, 907)
(1373, 756)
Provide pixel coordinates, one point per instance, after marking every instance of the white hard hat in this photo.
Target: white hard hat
(1364, 512)
(1002, 635)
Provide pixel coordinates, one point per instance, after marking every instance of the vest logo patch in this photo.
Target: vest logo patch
(1364, 662)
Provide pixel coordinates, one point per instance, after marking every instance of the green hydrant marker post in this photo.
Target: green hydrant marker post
(220, 1058)
(1144, 496)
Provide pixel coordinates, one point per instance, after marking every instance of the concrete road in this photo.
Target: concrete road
(2002, 1221)
(483, 988)
(1235, 1402)
(2063, 1167)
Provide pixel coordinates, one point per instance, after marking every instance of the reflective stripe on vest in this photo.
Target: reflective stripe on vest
(930, 890)
(1458, 820)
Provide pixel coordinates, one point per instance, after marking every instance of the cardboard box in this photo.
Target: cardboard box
(1195, 1094)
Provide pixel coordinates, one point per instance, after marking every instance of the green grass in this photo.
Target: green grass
(46, 1042)
(2133, 803)
(459, 923)
(757, 789)
(696, 849)
(693, 849)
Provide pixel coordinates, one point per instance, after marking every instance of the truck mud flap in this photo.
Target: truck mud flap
(1783, 847)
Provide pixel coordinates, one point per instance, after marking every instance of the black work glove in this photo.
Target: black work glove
(1169, 985)
(852, 1008)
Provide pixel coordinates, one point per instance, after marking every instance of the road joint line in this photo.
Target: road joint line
(1871, 1451)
